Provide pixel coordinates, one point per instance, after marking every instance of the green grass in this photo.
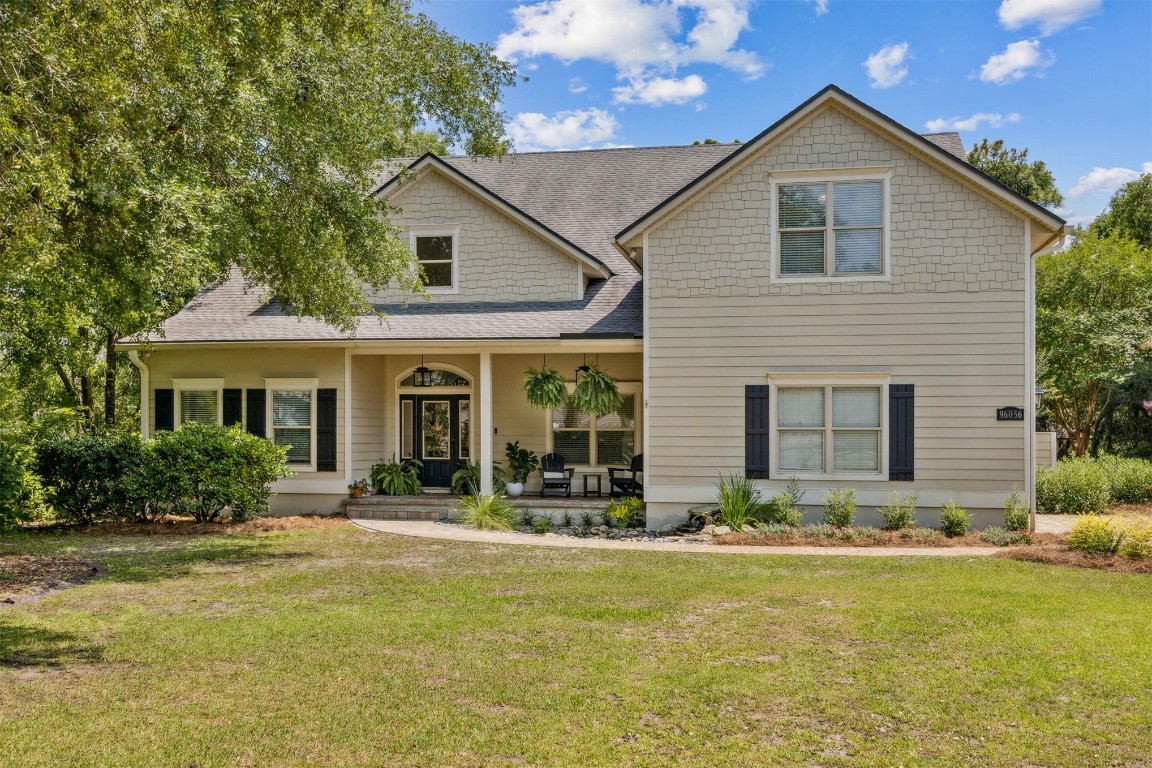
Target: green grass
(340, 647)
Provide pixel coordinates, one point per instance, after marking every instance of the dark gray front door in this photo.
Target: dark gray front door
(435, 430)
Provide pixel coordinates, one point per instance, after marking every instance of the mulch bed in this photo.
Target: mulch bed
(892, 539)
(186, 526)
(1057, 554)
(24, 576)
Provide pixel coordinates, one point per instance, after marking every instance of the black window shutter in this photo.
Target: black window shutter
(326, 430)
(901, 431)
(165, 410)
(256, 414)
(233, 406)
(757, 430)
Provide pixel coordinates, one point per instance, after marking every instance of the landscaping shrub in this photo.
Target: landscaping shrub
(1004, 537)
(1072, 487)
(1137, 539)
(526, 518)
(1129, 480)
(87, 478)
(542, 524)
(898, 512)
(627, 512)
(397, 478)
(739, 501)
(14, 490)
(954, 521)
(840, 508)
(784, 509)
(1016, 511)
(202, 469)
(1095, 534)
(487, 513)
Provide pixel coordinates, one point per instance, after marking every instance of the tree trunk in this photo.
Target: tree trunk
(86, 385)
(110, 366)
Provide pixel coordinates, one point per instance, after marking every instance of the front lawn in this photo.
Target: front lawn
(333, 646)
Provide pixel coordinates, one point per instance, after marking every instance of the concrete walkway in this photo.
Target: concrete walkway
(1054, 523)
(429, 530)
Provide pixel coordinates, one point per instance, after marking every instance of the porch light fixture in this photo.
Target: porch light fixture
(422, 377)
(1040, 391)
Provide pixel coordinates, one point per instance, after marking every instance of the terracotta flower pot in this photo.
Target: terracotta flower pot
(358, 493)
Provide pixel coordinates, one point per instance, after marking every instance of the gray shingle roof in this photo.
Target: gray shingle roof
(584, 196)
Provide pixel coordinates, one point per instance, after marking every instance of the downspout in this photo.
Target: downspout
(134, 356)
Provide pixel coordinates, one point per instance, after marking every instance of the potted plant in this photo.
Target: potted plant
(596, 393)
(397, 478)
(545, 388)
(521, 463)
(361, 487)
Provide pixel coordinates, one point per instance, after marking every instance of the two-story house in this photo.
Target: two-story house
(839, 300)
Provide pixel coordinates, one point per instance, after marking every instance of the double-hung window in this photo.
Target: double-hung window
(830, 228)
(830, 429)
(437, 257)
(199, 400)
(585, 440)
(292, 416)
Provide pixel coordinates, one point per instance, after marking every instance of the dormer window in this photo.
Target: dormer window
(436, 255)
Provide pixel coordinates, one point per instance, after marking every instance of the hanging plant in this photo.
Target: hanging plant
(545, 388)
(596, 393)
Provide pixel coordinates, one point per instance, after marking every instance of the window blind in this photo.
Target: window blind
(802, 407)
(856, 407)
(198, 406)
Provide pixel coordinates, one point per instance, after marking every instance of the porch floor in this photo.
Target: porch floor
(442, 506)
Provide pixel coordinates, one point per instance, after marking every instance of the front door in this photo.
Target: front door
(436, 430)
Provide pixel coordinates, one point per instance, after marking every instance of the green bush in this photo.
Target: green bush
(627, 512)
(1004, 537)
(397, 478)
(487, 513)
(898, 513)
(1137, 539)
(1095, 534)
(1072, 487)
(739, 501)
(203, 469)
(542, 524)
(1016, 512)
(14, 486)
(1129, 480)
(954, 521)
(88, 478)
(840, 508)
(784, 509)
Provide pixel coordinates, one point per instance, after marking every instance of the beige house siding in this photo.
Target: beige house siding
(499, 259)
(1046, 452)
(950, 320)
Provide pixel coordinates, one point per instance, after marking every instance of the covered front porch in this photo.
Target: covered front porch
(444, 406)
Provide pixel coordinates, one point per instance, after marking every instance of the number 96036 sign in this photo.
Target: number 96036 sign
(1010, 413)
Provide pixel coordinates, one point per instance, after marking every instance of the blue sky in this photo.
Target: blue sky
(1071, 80)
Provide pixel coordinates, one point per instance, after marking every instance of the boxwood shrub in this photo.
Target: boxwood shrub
(13, 485)
(88, 478)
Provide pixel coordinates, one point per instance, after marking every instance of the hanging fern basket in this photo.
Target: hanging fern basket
(545, 388)
(597, 393)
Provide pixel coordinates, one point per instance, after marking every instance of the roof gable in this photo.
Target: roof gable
(1050, 225)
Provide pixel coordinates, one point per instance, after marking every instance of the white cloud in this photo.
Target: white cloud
(821, 7)
(661, 90)
(1016, 62)
(533, 131)
(1050, 15)
(992, 119)
(886, 67)
(1107, 180)
(577, 85)
(646, 41)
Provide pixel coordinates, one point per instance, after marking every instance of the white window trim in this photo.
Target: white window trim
(293, 385)
(827, 380)
(198, 385)
(883, 175)
(440, 230)
(626, 388)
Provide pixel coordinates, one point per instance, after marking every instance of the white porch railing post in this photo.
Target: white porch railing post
(486, 431)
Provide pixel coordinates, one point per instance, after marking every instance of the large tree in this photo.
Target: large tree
(147, 148)
(1010, 167)
(1093, 325)
(1129, 212)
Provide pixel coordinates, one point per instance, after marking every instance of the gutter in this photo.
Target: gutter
(145, 384)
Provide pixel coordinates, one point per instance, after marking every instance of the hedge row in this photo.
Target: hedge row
(1085, 486)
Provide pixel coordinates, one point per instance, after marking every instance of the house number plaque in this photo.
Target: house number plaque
(1010, 413)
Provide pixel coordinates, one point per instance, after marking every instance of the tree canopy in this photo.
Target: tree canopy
(1129, 212)
(1093, 325)
(146, 149)
(1011, 168)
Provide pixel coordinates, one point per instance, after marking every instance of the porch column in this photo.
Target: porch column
(486, 422)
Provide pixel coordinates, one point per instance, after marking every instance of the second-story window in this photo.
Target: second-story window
(830, 229)
(436, 255)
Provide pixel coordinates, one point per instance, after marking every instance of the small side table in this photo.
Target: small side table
(588, 476)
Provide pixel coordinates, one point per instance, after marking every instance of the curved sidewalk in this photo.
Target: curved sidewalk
(429, 530)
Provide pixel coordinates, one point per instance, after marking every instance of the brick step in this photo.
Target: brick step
(386, 513)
